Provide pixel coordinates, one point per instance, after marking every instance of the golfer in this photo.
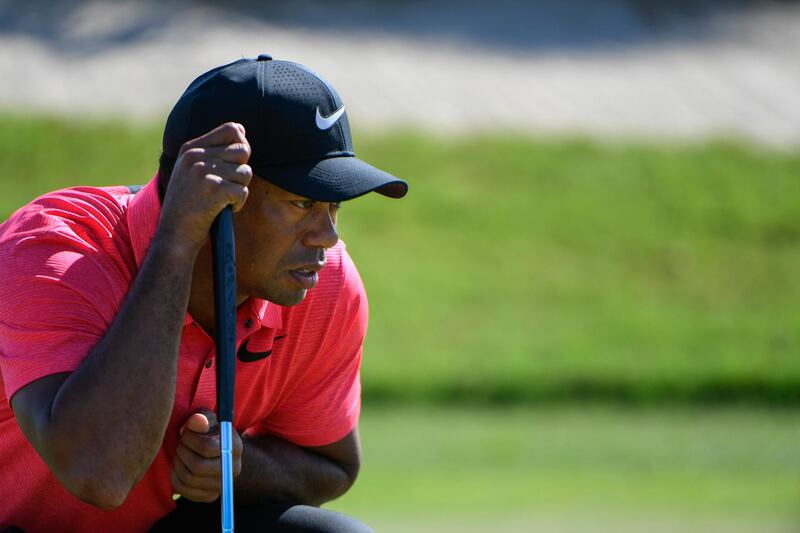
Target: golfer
(106, 323)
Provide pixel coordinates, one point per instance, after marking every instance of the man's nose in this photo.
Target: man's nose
(323, 233)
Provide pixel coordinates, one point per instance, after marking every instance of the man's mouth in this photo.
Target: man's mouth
(307, 277)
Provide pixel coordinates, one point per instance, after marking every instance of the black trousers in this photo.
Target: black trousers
(273, 517)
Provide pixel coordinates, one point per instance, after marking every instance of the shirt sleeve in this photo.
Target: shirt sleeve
(324, 405)
(57, 299)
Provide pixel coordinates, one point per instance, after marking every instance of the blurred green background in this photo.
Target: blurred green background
(565, 335)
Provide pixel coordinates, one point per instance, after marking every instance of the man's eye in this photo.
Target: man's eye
(336, 205)
(303, 204)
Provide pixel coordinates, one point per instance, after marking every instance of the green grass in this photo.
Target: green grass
(530, 270)
(525, 270)
(578, 469)
(41, 154)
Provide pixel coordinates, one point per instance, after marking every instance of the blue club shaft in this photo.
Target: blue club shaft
(224, 252)
(227, 477)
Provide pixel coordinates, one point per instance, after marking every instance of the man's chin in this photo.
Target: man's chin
(286, 298)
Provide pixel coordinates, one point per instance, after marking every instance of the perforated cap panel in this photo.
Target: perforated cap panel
(292, 116)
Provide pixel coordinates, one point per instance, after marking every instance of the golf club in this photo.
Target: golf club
(224, 252)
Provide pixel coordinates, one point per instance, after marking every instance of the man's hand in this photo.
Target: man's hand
(197, 471)
(210, 173)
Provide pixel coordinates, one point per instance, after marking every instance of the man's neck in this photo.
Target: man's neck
(201, 297)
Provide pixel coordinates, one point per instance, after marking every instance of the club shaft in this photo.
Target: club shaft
(227, 476)
(224, 252)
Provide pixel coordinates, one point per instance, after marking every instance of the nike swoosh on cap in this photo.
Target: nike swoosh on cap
(325, 123)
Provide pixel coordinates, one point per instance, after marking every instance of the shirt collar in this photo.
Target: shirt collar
(269, 314)
(144, 210)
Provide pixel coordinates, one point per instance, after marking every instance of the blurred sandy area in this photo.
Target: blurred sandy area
(604, 67)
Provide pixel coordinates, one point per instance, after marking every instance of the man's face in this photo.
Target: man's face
(281, 240)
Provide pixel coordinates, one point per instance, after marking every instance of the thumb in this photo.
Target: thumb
(200, 422)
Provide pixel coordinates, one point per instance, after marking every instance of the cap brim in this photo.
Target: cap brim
(332, 180)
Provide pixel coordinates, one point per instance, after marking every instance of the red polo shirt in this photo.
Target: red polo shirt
(66, 262)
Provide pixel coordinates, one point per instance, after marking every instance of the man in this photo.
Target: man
(106, 323)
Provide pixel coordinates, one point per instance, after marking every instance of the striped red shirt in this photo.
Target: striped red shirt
(67, 260)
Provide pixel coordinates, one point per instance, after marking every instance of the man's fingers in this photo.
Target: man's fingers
(222, 135)
(239, 173)
(190, 492)
(237, 153)
(204, 445)
(197, 469)
(233, 153)
(222, 190)
(197, 472)
(236, 194)
(218, 177)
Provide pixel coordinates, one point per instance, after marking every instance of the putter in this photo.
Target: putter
(225, 333)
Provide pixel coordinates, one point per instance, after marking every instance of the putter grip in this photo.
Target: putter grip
(224, 310)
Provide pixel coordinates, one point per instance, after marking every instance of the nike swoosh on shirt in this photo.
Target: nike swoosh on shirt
(325, 123)
(246, 356)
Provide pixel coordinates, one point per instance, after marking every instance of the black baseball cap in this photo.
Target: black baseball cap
(296, 124)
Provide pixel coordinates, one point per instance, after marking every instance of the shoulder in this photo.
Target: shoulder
(340, 281)
(77, 237)
(91, 212)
